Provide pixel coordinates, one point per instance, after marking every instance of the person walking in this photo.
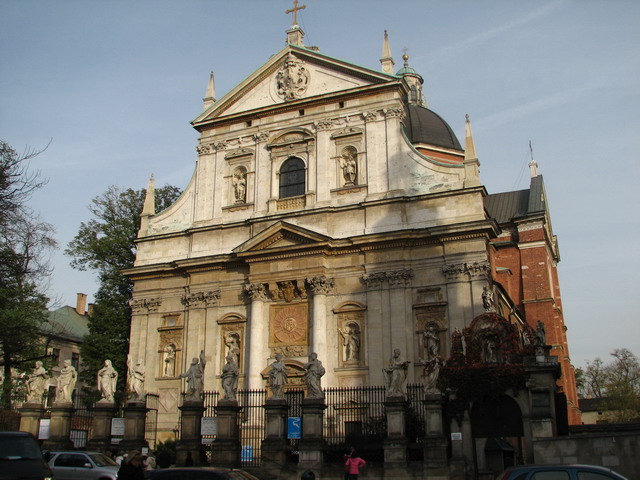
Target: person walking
(353, 464)
(132, 467)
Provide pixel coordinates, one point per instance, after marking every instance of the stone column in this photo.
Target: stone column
(435, 443)
(190, 440)
(226, 449)
(61, 413)
(100, 439)
(395, 445)
(325, 171)
(274, 445)
(321, 286)
(30, 415)
(258, 295)
(135, 415)
(312, 443)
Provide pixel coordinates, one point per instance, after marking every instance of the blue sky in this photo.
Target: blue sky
(114, 85)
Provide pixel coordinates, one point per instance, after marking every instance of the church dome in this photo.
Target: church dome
(425, 126)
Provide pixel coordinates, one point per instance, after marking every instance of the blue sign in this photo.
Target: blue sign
(294, 428)
(247, 454)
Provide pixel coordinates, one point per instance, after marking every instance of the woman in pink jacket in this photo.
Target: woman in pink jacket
(353, 464)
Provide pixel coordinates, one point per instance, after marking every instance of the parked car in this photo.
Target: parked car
(194, 473)
(76, 465)
(559, 472)
(21, 457)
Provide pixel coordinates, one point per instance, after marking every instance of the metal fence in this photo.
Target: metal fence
(151, 420)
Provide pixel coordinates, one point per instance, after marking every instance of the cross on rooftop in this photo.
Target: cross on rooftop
(295, 11)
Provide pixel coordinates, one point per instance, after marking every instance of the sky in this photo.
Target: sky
(112, 86)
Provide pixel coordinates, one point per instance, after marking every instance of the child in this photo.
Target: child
(352, 465)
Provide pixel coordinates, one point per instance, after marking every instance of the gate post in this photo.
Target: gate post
(190, 443)
(274, 445)
(435, 443)
(100, 439)
(226, 449)
(61, 413)
(312, 441)
(135, 414)
(30, 415)
(395, 445)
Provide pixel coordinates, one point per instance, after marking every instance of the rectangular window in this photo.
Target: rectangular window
(75, 360)
(55, 355)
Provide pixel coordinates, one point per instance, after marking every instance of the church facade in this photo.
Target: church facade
(330, 212)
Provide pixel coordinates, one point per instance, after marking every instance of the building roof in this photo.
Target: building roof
(507, 206)
(67, 323)
(425, 126)
(592, 404)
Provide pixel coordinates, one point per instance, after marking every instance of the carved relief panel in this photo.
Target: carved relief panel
(289, 329)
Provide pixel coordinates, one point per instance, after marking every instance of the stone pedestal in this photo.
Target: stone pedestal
(274, 445)
(312, 443)
(100, 439)
(61, 413)
(135, 415)
(395, 445)
(226, 448)
(190, 440)
(435, 442)
(30, 415)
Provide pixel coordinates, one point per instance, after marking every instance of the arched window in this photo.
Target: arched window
(292, 178)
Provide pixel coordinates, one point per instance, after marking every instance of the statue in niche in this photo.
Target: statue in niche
(487, 299)
(195, 378)
(107, 380)
(169, 360)
(349, 166)
(395, 374)
(135, 380)
(230, 373)
(232, 341)
(541, 335)
(431, 340)
(240, 185)
(490, 351)
(430, 375)
(351, 342)
(314, 371)
(456, 343)
(36, 383)
(66, 382)
(277, 378)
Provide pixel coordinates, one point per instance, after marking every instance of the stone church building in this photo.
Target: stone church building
(331, 211)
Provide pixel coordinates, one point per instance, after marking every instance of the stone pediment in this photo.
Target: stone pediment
(294, 73)
(281, 236)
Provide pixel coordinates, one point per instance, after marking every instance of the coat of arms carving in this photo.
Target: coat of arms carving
(292, 79)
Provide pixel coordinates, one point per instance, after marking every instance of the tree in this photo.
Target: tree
(24, 268)
(106, 244)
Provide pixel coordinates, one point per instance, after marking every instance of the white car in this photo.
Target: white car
(74, 465)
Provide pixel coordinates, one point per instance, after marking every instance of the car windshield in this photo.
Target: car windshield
(102, 460)
(19, 448)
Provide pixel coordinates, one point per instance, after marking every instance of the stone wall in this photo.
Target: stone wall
(615, 450)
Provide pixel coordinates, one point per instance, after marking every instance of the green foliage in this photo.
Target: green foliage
(24, 244)
(106, 244)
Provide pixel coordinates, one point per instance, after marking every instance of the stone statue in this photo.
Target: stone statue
(351, 342)
(240, 185)
(66, 382)
(431, 342)
(135, 385)
(195, 378)
(36, 383)
(314, 371)
(487, 299)
(456, 343)
(107, 380)
(230, 373)
(277, 378)
(170, 360)
(349, 167)
(232, 341)
(430, 375)
(541, 335)
(395, 375)
(490, 351)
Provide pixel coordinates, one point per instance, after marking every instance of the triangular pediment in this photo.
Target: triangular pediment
(293, 74)
(279, 236)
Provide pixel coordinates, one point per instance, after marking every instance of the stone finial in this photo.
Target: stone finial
(471, 162)
(386, 60)
(210, 96)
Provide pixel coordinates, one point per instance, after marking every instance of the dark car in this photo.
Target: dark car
(21, 457)
(559, 472)
(194, 473)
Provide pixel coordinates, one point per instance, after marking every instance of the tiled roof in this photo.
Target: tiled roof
(507, 206)
(68, 323)
(425, 126)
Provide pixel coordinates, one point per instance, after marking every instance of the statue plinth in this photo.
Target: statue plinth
(434, 441)
(312, 443)
(30, 415)
(395, 445)
(191, 413)
(274, 445)
(135, 415)
(60, 427)
(227, 447)
(103, 412)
